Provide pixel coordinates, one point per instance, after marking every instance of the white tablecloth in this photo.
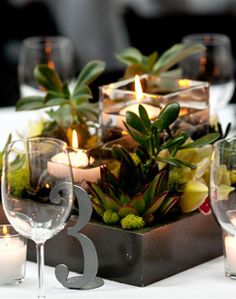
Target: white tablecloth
(204, 281)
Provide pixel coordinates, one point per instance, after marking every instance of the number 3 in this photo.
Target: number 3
(88, 279)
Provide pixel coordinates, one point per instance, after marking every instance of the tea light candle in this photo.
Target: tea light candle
(230, 253)
(79, 161)
(12, 255)
(152, 111)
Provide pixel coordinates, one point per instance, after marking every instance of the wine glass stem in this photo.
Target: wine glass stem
(40, 260)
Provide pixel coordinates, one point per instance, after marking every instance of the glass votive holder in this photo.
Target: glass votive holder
(156, 92)
(12, 255)
(229, 247)
(84, 165)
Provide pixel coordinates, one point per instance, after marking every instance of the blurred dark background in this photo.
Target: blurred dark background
(99, 29)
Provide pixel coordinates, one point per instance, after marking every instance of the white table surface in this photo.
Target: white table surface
(204, 281)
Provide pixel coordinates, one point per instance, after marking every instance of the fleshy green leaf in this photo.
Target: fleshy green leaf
(110, 203)
(138, 203)
(151, 60)
(168, 204)
(124, 199)
(120, 153)
(97, 208)
(167, 116)
(156, 203)
(126, 210)
(48, 78)
(170, 161)
(153, 188)
(53, 95)
(130, 56)
(97, 192)
(55, 102)
(140, 138)
(82, 92)
(187, 164)
(172, 142)
(204, 140)
(63, 116)
(144, 117)
(134, 121)
(30, 103)
(90, 72)
(135, 69)
(174, 55)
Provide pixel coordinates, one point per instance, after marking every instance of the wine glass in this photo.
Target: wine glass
(55, 51)
(223, 197)
(37, 194)
(214, 65)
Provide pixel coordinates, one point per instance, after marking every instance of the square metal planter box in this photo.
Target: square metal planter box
(143, 256)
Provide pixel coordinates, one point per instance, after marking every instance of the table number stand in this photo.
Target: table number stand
(88, 280)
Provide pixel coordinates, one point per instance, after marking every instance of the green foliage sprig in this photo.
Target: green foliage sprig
(72, 107)
(152, 140)
(138, 63)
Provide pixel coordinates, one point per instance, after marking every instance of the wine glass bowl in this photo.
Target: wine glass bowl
(215, 65)
(55, 51)
(223, 198)
(36, 202)
(223, 184)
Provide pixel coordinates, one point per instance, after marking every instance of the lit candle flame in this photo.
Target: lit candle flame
(79, 158)
(138, 89)
(75, 142)
(47, 185)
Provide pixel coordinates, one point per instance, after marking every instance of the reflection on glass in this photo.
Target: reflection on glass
(55, 51)
(214, 65)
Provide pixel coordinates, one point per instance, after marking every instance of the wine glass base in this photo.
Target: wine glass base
(230, 275)
(96, 283)
(12, 281)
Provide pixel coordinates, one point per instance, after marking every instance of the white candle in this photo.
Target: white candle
(12, 257)
(79, 161)
(230, 254)
(152, 111)
(59, 167)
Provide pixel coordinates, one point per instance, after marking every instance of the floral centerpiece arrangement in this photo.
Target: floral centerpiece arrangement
(165, 174)
(137, 63)
(153, 176)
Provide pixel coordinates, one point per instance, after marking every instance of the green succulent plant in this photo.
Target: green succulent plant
(137, 63)
(72, 109)
(139, 185)
(132, 191)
